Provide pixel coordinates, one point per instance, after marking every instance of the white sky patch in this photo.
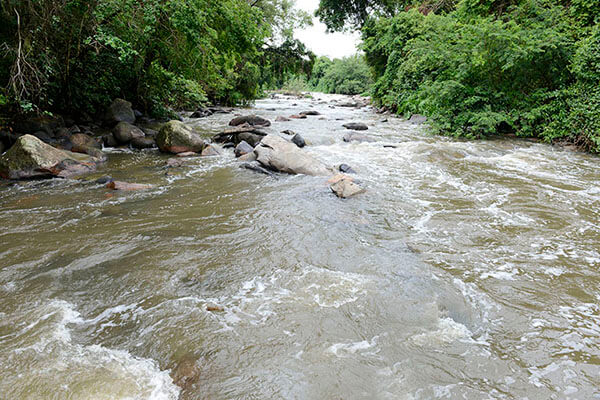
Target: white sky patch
(316, 38)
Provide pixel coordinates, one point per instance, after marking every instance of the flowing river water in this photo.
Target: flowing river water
(468, 270)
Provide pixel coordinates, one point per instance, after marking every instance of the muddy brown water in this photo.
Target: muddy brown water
(468, 270)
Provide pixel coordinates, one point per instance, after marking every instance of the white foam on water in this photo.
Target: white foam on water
(364, 347)
(78, 370)
(447, 331)
(261, 298)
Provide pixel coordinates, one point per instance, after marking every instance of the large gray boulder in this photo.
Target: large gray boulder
(253, 120)
(124, 132)
(176, 137)
(29, 157)
(277, 153)
(119, 111)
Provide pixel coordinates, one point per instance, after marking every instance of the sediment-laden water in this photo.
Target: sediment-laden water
(468, 270)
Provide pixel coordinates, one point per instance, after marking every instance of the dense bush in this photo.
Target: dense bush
(75, 55)
(349, 75)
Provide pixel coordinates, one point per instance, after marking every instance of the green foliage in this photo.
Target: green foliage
(349, 75)
(75, 55)
(531, 67)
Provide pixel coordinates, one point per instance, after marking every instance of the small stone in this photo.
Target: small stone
(288, 132)
(298, 116)
(298, 140)
(282, 119)
(345, 168)
(174, 163)
(109, 140)
(214, 308)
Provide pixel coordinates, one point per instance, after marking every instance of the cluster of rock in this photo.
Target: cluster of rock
(56, 149)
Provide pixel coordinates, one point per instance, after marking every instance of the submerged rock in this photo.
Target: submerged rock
(253, 120)
(29, 157)
(176, 137)
(282, 119)
(278, 154)
(118, 185)
(356, 126)
(187, 372)
(357, 137)
(119, 111)
(298, 116)
(256, 167)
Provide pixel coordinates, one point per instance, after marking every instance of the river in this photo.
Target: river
(468, 270)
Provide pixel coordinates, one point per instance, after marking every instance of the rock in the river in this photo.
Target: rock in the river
(417, 119)
(109, 140)
(343, 186)
(187, 372)
(124, 132)
(288, 132)
(210, 151)
(282, 119)
(253, 120)
(103, 180)
(254, 166)
(298, 140)
(345, 168)
(118, 185)
(119, 111)
(298, 116)
(237, 134)
(143, 143)
(311, 112)
(82, 142)
(356, 126)
(357, 137)
(243, 148)
(176, 137)
(29, 157)
(201, 113)
(1, 147)
(278, 154)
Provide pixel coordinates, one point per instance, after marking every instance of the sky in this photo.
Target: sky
(333, 45)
